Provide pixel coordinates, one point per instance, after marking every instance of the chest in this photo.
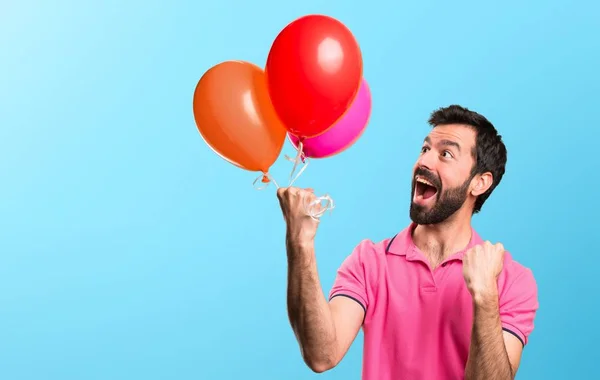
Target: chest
(416, 304)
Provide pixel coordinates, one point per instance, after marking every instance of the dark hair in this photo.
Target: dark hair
(489, 152)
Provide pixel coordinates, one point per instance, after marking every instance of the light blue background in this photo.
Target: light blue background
(129, 250)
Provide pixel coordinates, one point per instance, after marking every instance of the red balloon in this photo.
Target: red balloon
(314, 70)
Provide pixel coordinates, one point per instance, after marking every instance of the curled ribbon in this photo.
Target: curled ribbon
(316, 209)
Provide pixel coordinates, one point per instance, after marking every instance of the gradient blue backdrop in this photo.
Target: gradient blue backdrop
(129, 250)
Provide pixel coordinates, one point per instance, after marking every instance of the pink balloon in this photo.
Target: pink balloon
(344, 133)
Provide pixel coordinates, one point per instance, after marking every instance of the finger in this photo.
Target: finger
(318, 206)
(308, 196)
(500, 247)
(281, 192)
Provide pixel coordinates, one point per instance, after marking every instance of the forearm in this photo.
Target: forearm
(308, 310)
(488, 358)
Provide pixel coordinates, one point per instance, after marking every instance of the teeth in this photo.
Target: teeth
(419, 179)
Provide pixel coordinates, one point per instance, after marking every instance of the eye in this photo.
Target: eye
(447, 154)
(424, 149)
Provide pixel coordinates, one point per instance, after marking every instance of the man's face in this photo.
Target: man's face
(442, 174)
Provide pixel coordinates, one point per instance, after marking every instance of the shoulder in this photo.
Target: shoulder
(368, 250)
(516, 280)
(514, 269)
(372, 254)
(376, 250)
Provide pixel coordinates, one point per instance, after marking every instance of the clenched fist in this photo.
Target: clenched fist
(301, 228)
(482, 265)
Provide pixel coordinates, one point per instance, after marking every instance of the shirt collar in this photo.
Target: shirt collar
(403, 245)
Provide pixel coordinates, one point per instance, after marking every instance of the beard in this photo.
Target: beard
(447, 202)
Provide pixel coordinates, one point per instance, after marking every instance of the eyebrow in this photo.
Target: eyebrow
(445, 143)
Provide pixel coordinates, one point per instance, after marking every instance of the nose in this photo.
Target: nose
(426, 160)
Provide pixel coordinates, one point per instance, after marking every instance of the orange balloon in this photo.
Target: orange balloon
(235, 116)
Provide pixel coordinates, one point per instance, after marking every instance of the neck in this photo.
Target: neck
(439, 241)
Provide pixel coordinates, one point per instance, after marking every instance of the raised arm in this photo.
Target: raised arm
(500, 324)
(493, 353)
(324, 330)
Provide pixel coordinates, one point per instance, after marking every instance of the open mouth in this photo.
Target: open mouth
(424, 190)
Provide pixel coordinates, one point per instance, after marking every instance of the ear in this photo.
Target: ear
(481, 183)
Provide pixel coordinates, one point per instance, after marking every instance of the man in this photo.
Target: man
(434, 301)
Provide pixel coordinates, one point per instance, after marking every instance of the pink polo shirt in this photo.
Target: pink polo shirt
(418, 321)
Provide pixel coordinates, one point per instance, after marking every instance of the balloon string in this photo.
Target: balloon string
(319, 206)
(300, 158)
(266, 179)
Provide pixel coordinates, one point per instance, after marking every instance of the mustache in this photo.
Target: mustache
(429, 176)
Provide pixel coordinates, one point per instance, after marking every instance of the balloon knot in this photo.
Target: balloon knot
(266, 179)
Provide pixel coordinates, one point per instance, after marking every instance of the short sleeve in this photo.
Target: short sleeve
(351, 278)
(519, 304)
